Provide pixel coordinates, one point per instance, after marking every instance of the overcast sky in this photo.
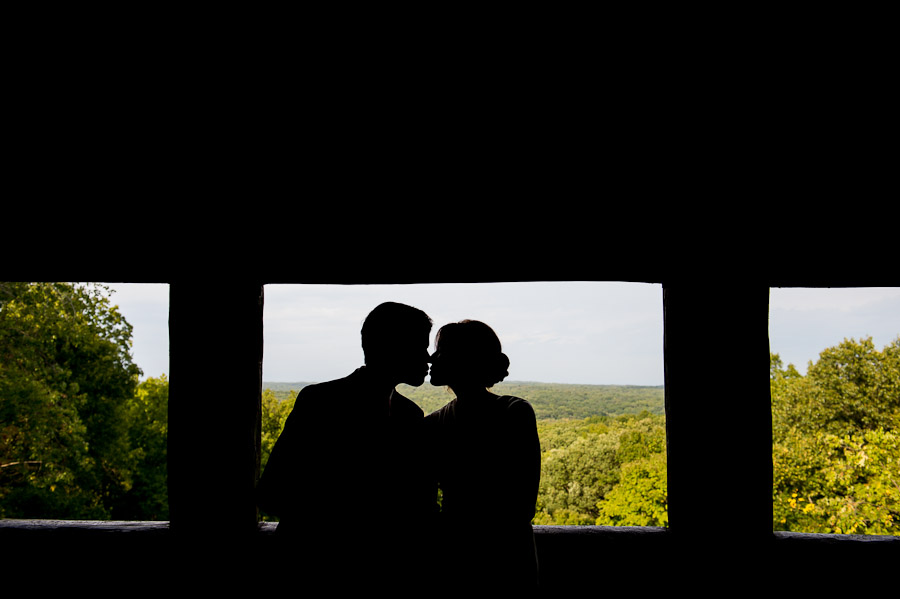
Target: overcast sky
(591, 333)
(803, 322)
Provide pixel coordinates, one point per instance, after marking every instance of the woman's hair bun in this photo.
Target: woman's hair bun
(498, 371)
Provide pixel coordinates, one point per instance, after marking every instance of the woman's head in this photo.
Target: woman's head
(468, 354)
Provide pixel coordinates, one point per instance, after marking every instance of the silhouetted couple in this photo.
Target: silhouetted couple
(355, 474)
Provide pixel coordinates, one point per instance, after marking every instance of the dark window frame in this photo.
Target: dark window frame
(213, 507)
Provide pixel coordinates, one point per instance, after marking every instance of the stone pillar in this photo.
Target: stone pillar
(718, 409)
(215, 383)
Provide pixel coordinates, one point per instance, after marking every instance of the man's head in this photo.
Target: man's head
(395, 339)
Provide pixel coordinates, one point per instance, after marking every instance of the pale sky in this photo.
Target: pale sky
(552, 332)
(590, 333)
(803, 322)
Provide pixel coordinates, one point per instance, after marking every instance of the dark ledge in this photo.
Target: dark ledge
(541, 532)
(84, 526)
(831, 539)
(571, 558)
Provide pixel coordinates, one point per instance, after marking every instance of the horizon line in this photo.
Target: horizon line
(500, 383)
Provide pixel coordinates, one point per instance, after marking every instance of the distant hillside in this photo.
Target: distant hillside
(550, 400)
(285, 390)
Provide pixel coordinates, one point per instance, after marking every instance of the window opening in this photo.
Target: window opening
(835, 382)
(83, 397)
(587, 355)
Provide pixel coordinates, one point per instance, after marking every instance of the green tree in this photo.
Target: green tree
(851, 387)
(583, 461)
(641, 497)
(43, 452)
(274, 414)
(787, 388)
(643, 437)
(825, 483)
(835, 441)
(67, 375)
(848, 388)
(146, 497)
(575, 478)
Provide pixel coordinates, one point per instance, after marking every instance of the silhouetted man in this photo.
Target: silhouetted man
(346, 478)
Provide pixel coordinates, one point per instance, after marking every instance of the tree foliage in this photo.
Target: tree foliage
(81, 437)
(641, 497)
(274, 414)
(147, 496)
(68, 388)
(603, 470)
(836, 441)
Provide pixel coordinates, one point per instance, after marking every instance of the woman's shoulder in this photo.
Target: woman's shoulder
(517, 406)
(511, 401)
(443, 412)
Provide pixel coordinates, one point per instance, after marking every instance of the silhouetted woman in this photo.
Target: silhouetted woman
(488, 463)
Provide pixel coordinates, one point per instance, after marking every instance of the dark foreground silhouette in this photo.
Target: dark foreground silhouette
(487, 462)
(347, 477)
(353, 479)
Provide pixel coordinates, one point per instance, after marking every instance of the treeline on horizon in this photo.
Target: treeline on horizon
(550, 400)
(83, 437)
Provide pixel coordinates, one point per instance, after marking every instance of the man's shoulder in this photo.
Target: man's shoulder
(328, 387)
(320, 396)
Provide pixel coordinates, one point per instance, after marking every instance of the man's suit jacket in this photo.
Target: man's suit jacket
(349, 473)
